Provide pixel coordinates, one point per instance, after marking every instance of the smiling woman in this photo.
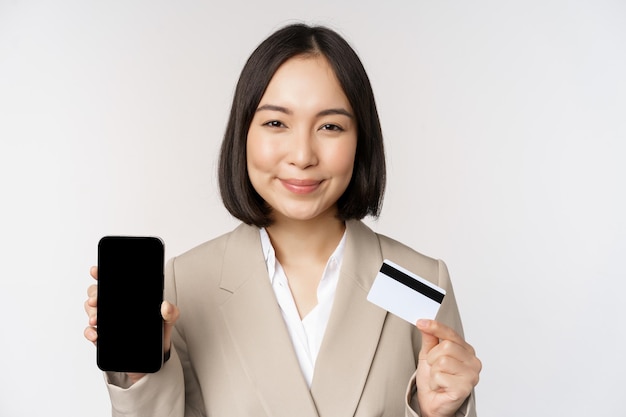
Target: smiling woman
(272, 318)
(302, 142)
(365, 191)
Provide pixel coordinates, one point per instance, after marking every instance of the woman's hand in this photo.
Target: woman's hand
(447, 371)
(169, 312)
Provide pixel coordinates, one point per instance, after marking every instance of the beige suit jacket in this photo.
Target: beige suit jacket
(233, 357)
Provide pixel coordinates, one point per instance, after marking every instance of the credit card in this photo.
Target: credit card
(405, 294)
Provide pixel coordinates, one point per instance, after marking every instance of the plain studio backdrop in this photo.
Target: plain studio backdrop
(504, 123)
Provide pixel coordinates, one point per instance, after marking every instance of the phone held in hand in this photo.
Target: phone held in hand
(130, 293)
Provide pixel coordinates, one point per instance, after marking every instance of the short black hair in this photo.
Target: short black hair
(364, 194)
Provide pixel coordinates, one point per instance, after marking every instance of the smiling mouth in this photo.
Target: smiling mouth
(301, 186)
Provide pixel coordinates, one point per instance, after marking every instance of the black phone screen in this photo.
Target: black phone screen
(130, 293)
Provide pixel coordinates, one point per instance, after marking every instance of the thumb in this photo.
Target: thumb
(428, 340)
(170, 314)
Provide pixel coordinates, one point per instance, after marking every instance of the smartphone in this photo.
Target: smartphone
(130, 293)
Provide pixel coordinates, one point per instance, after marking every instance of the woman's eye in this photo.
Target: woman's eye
(274, 123)
(332, 127)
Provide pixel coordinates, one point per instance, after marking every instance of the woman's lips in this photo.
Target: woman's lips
(301, 186)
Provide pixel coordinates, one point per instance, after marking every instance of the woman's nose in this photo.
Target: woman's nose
(302, 152)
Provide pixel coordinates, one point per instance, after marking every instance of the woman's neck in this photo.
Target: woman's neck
(297, 240)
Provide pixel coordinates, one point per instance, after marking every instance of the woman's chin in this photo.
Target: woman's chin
(304, 214)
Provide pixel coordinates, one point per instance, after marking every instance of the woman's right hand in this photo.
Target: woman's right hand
(169, 312)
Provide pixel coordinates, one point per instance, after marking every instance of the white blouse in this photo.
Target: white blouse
(306, 334)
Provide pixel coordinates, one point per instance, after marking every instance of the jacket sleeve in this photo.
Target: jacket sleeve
(173, 391)
(449, 315)
(158, 394)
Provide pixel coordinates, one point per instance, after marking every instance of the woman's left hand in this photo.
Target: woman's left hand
(447, 371)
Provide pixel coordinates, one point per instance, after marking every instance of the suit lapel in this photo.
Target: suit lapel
(256, 326)
(353, 330)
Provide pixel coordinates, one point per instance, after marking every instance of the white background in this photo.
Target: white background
(504, 123)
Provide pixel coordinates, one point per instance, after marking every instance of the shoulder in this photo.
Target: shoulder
(389, 248)
(210, 256)
(216, 247)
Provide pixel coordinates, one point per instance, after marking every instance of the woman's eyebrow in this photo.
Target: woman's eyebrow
(327, 112)
(273, 107)
(341, 111)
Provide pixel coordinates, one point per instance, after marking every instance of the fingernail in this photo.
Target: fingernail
(423, 323)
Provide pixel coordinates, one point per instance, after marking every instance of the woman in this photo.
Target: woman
(272, 319)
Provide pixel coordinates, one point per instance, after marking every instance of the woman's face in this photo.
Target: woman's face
(302, 141)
